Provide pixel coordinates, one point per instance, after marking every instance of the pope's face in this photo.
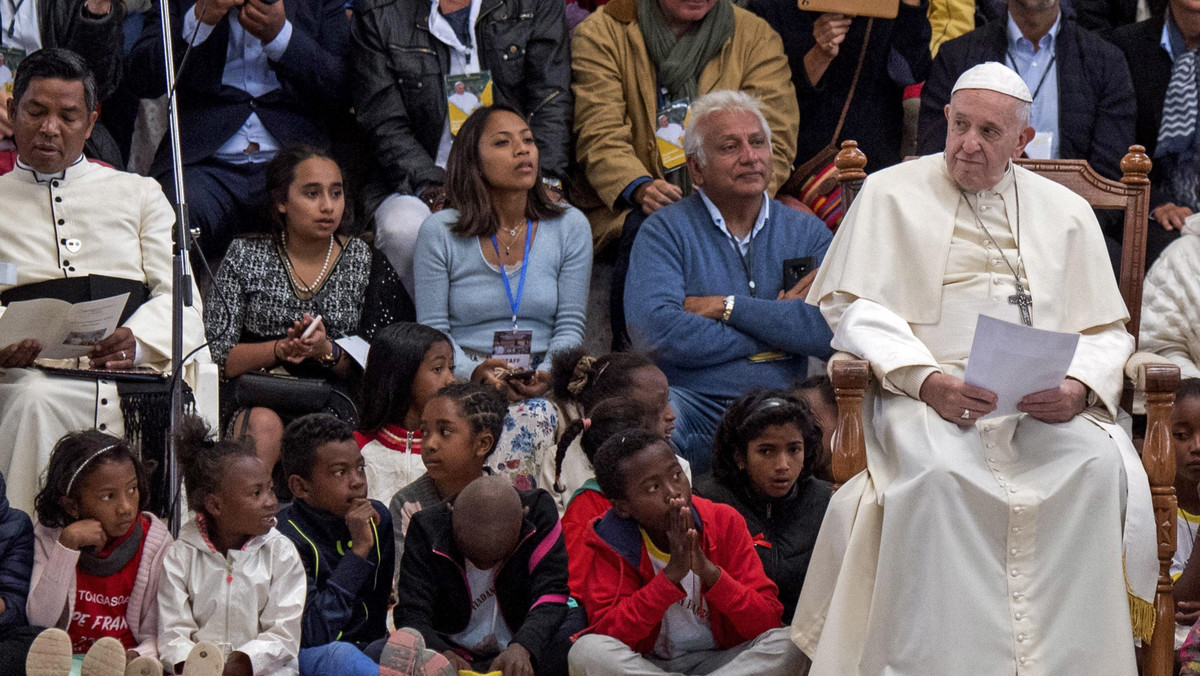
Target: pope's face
(51, 122)
(737, 153)
(982, 135)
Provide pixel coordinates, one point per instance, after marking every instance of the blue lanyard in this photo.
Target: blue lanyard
(515, 304)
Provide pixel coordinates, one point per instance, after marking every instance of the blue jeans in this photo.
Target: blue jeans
(696, 417)
(341, 658)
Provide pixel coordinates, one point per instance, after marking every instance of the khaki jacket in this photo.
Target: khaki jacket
(616, 103)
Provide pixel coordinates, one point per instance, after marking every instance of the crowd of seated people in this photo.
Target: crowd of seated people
(417, 461)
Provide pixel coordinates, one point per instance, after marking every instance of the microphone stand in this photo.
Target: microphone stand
(181, 276)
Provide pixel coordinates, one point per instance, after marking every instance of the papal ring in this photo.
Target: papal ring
(966, 414)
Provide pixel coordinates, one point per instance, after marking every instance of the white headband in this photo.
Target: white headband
(85, 464)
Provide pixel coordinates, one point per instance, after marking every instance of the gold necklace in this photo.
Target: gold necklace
(512, 232)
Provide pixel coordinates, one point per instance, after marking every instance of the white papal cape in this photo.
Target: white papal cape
(998, 549)
(91, 220)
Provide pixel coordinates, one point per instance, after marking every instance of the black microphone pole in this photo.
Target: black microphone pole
(181, 277)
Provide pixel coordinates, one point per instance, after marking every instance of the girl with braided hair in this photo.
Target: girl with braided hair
(459, 430)
(580, 382)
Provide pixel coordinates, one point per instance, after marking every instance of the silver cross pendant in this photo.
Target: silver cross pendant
(1023, 300)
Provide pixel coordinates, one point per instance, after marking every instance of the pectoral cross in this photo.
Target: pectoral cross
(1023, 300)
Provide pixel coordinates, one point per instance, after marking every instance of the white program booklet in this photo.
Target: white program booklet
(356, 347)
(1013, 360)
(65, 330)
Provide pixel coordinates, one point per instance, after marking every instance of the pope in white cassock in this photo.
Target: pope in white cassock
(65, 218)
(986, 547)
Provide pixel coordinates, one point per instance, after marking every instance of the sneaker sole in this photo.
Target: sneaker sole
(49, 654)
(205, 659)
(106, 657)
(144, 666)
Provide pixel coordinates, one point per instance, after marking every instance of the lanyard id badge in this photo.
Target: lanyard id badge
(465, 93)
(669, 126)
(515, 347)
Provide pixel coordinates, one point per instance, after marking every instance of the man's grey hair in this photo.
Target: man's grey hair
(1024, 110)
(722, 100)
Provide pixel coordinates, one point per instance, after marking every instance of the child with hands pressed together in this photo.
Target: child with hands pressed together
(675, 585)
(97, 557)
(232, 585)
(336, 531)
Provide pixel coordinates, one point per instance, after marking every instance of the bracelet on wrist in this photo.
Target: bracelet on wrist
(275, 351)
(335, 355)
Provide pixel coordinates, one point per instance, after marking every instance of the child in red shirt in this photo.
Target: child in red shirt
(97, 555)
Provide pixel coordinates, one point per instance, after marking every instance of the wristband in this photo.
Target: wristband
(275, 351)
(728, 308)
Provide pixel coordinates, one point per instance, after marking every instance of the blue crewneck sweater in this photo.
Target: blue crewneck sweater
(680, 252)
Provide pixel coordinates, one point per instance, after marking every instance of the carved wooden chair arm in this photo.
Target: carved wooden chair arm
(850, 376)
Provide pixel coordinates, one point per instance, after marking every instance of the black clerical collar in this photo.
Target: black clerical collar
(46, 178)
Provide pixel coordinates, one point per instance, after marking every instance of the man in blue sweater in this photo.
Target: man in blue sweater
(705, 294)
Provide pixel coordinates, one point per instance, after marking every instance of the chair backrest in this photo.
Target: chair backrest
(1131, 194)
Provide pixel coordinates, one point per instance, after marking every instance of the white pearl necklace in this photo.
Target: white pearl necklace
(316, 283)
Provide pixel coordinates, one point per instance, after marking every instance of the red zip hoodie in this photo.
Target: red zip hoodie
(626, 599)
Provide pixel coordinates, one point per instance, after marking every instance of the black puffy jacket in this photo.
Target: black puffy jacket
(398, 70)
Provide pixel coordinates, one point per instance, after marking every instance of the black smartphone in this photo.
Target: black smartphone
(794, 270)
(522, 376)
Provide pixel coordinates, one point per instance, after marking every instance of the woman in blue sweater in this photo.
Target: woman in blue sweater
(504, 260)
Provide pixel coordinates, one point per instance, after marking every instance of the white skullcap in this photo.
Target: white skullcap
(994, 76)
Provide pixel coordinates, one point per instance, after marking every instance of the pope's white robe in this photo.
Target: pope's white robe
(996, 549)
(93, 220)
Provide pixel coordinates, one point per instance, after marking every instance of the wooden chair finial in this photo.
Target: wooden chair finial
(851, 162)
(1136, 166)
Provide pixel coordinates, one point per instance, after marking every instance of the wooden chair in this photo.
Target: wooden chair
(1159, 380)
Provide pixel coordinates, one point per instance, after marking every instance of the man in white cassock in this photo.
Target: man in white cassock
(987, 547)
(69, 226)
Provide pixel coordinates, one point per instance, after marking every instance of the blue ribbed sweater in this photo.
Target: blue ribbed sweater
(680, 252)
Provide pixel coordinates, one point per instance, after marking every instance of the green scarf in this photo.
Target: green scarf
(679, 61)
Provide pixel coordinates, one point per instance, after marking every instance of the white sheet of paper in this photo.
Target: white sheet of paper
(1014, 360)
(64, 330)
(356, 347)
